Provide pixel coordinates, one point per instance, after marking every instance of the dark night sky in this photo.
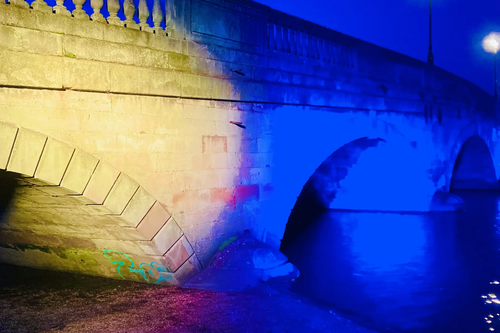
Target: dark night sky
(403, 26)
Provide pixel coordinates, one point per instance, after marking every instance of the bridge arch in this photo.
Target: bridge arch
(74, 212)
(366, 129)
(472, 145)
(473, 167)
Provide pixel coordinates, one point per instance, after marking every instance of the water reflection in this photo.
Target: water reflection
(413, 273)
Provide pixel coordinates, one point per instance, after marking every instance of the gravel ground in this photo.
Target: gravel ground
(43, 301)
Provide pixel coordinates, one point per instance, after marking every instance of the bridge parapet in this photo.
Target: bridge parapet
(251, 53)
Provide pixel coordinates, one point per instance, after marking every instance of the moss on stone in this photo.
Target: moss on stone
(25, 247)
(7, 245)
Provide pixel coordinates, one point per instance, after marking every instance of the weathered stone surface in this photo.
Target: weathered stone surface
(167, 236)
(26, 152)
(54, 161)
(8, 134)
(86, 75)
(189, 269)
(213, 130)
(121, 193)
(80, 169)
(32, 70)
(178, 254)
(138, 207)
(101, 182)
(24, 40)
(154, 220)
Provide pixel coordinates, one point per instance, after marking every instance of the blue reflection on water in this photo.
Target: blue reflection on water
(377, 253)
(410, 272)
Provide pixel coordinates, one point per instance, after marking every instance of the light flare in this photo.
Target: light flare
(491, 43)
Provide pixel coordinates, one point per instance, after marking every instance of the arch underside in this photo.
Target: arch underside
(474, 168)
(367, 174)
(63, 209)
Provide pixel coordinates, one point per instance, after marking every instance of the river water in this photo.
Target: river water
(410, 273)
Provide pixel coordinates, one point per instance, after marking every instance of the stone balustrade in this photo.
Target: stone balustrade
(151, 17)
(285, 39)
(290, 44)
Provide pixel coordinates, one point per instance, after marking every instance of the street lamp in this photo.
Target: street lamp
(491, 44)
(430, 56)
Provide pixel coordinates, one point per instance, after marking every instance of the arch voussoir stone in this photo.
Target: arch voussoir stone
(111, 214)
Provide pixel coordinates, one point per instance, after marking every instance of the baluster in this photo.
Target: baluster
(333, 53)
(314, 44)
(19, 3)
(327, 50)
(157, 17)
(129, 11)
(293, 41)
(60, 9)
(310, 52)
(298, 35)
(272, 37)
(321, 48)
(352, 58)
(113, 8)
(78, 12)
(96, 6)
(316, 48)
(169, 22)
(41, 6)
(305, 49)
(143, 16)
(310, 47)
(336, 55)
(279, 39)
(286, 40)
(345, 57)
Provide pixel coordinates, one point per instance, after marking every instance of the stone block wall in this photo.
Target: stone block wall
(215, 128)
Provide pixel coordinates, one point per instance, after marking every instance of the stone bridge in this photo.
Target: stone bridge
(135, 143)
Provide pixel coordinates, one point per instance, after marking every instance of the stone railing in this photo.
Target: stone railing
(294, 37)
(153, 18)
(286, 39)
(247, 27)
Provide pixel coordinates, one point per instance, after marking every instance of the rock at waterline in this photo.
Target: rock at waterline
(242, 265)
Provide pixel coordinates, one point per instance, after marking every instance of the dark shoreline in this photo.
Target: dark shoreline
(46, 301)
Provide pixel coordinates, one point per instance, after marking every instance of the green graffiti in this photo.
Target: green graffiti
(155, 270)
(226, 243)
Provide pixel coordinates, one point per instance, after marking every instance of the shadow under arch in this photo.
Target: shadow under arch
(8, 187)
(62, 209)
(473, 168)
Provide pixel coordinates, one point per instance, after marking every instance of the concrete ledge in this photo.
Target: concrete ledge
(26, 152)
(101, 182)
(8, 133)
(79, 171)
(54, 161)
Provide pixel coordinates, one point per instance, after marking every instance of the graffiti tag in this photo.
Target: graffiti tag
(151, 272)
